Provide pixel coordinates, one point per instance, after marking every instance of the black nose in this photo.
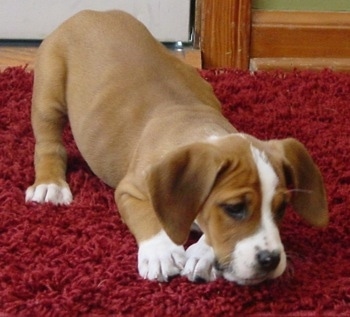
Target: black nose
(267, 260)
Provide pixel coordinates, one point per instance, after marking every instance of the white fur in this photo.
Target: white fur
(215, 137)
(159, 258)
(200, 262)
(58, 195)
(243, 266)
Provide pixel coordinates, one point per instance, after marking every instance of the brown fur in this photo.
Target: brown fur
(141, 118)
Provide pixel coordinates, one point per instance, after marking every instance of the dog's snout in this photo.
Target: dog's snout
(268, 261)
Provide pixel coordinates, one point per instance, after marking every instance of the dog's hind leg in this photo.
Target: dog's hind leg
(48, 120)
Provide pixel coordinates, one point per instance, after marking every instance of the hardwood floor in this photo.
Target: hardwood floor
(20, 55)
(17, 56)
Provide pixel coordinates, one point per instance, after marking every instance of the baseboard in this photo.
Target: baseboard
(336, 64)
(300, 35)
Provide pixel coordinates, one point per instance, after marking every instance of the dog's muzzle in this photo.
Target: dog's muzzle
(262, 268)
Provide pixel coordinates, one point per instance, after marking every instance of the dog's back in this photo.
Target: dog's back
(107, 66)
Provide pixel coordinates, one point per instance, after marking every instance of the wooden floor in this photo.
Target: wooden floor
(17, 56)
(25, 55)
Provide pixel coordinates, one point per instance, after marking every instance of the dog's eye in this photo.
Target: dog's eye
(235, 211)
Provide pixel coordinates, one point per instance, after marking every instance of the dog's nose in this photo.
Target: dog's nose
(267, 260)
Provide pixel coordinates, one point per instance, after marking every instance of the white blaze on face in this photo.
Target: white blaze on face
(244, 259)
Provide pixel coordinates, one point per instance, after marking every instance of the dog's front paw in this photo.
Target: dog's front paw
(53, 193)
(200, 262)
(159, 258)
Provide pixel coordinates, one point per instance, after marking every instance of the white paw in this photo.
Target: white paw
(159, 258)
(200, 262)
(53, 193)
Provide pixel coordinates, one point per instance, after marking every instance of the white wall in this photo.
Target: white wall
(168, 20)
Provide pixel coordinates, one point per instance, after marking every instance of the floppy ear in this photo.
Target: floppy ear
(180, 184)
(309, 196)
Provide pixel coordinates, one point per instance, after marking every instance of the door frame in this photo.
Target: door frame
(223, 27)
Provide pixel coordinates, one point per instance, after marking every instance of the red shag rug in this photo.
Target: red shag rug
(81, 260)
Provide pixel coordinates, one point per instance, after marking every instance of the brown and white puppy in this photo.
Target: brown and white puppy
(150, 126)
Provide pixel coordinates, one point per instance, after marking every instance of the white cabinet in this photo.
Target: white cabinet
(168, 20)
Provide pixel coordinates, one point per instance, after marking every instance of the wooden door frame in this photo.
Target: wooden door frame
(223, 27)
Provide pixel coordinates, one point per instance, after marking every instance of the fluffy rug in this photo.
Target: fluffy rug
(80, 260)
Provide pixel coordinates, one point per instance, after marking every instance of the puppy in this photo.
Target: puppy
(151, 127)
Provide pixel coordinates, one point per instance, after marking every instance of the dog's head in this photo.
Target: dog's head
(236, 188)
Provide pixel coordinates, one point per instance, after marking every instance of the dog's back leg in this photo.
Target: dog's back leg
(48, 120)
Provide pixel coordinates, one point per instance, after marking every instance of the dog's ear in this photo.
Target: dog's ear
(180, 183)
(308, 194)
